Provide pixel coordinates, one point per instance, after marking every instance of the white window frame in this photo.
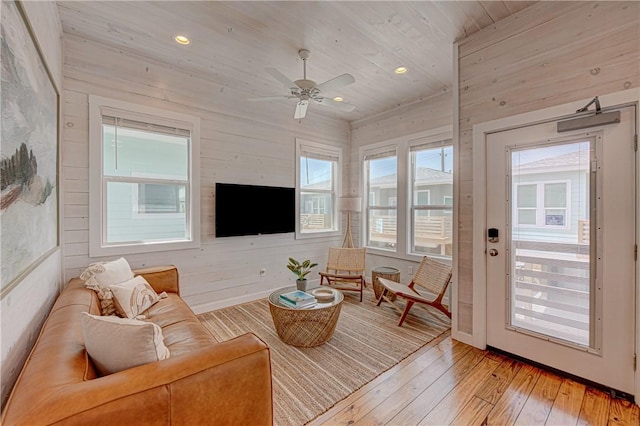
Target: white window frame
(540, 208)
(99, 106)
(321, 149)
(402, 146)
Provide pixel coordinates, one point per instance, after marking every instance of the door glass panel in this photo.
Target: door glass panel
(550, 271)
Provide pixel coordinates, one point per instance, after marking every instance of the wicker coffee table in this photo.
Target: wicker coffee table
(305, 327)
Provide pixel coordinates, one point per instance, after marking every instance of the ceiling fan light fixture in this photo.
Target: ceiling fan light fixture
(400, 70)
(307, 91)
(181, 39)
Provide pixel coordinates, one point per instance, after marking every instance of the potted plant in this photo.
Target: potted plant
(301, 270)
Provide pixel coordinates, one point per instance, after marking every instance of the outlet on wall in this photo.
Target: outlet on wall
(263, 272)
(410, 270)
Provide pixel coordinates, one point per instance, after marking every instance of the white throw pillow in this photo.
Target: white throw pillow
(115, 344)
(133, 297)
(100, 275)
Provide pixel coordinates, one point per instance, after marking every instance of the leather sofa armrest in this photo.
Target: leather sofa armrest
(223, 383)
(161, 278)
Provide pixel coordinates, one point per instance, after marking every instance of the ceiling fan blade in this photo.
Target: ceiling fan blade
(281, 78)
(301, 109)
(336, 83)
(272, 98)
(342, 106)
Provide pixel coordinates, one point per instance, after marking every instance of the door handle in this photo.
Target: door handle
(493, 252)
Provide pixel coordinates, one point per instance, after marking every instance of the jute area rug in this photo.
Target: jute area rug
(309, 381)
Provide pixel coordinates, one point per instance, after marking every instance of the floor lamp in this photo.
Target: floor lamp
(349, 204)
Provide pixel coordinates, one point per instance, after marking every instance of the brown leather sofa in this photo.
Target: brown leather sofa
(203, 382)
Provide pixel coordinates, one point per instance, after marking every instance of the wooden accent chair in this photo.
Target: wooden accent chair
(345, 269)
(432, 276)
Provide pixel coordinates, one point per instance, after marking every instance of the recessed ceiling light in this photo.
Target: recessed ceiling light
(180, 39)
(400, 70)
(338, 99)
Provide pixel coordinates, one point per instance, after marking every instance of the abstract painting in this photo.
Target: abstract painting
(29, 153)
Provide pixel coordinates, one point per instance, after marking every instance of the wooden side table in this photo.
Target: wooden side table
(387, 272)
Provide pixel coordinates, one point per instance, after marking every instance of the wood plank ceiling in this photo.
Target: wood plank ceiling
(232, 42)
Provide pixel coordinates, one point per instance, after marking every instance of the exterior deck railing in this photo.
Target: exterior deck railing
(436, 230)
(312, 221)
(551, 291)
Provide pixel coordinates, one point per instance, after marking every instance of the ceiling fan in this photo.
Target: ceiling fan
(305, 90)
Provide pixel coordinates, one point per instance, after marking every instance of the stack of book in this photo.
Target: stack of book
(297, 299)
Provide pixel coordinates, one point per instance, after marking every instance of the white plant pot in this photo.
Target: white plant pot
(301, 285)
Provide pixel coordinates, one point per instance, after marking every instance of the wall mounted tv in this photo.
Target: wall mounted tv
(253, 210)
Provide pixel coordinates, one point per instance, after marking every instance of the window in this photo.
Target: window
(154, 198)
(542, 204)
(430, 228)
(319, 205)
(144, 187)
(408, 184)
(317, 170)
(381, 180)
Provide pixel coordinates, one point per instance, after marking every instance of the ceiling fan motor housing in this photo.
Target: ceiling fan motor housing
(304, 54)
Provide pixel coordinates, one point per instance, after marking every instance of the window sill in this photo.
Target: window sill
(134, 248)
(307, 235)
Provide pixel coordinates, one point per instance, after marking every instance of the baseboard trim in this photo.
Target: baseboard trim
(469, 339)
(212, 306)
(614, 393)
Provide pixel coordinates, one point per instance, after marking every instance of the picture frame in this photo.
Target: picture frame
(29, 165)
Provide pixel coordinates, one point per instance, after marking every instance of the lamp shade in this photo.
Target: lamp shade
(350, 204)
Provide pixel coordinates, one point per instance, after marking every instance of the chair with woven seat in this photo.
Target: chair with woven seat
(432, 276)
(345, 269)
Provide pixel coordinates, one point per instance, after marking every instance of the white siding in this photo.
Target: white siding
(429, 114)
(548, 54)
(241, 142)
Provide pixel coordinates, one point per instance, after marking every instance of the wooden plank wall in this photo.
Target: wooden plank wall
(548, 54)
(24, 309)
(241, 142)
(430, 113)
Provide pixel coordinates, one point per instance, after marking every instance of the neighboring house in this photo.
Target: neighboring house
(551, 199)
(316, 207)
(550, 233)
(145, 184)
(433, 189)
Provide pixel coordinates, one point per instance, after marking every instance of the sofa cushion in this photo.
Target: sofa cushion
(100, 275)
(115, 344)
(182, 331)
(133, 297)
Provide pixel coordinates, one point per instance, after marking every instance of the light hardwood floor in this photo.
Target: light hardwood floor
(448, 382)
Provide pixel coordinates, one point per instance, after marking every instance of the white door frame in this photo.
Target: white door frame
(480, 132)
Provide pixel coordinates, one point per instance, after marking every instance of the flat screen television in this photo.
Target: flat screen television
(253, 210)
